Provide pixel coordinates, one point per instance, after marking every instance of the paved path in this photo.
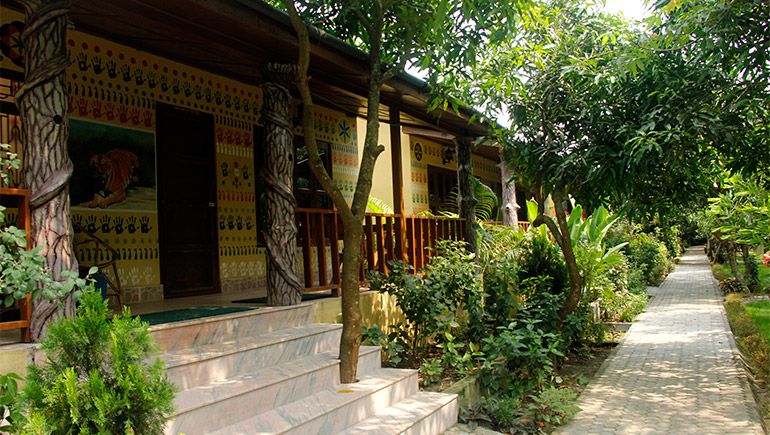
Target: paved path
(676, 371)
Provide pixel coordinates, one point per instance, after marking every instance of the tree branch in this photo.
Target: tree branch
(303, 84)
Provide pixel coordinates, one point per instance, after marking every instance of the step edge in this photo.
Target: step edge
(222, 317)
(246, 348)
(402, 429)
(404, 378)
(332, 361)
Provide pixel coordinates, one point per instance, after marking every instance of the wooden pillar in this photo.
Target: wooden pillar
(47, 168)
(398, 182)
(283, 285)
(510, 207)
(466, 202)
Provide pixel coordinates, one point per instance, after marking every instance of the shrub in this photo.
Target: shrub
(552, 407)
(757, 351)
(431, 370)
(669, 236)
(446, 294)
(9, 390)
(622, 307)
(744, 325)
(525, 351)
(730, 285)
(506, 412)
(733, 306)
(392, 349)
(541, 257)
(96, 380)
(501, 286)
(650, 256)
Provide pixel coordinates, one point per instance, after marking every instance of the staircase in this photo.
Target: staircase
(272, 370)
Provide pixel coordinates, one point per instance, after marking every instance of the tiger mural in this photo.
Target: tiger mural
(113, 173)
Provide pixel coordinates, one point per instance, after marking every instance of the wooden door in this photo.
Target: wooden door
(187, 210)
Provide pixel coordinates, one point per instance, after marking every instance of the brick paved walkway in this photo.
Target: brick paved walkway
(676, 371)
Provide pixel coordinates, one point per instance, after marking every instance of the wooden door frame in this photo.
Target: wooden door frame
(162, 242)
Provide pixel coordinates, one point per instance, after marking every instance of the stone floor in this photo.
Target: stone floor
(677, 370)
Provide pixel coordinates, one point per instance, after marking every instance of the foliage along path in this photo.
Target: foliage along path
(677, 371)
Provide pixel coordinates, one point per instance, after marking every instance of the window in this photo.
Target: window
(307, 188)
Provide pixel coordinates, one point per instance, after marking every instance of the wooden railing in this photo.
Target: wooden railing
(386, 238)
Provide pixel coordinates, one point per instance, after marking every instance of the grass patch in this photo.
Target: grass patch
(722, 271)
(760, 313)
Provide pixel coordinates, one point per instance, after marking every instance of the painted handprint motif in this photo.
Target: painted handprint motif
(144, 221)
(109, 111)
(125, 72)
(118, 224)
(105, 224)
(131, 227)
(111, 69)
(78, 219)
(123, 114)
(96, 109)
(83, 107)
(96, 65)
(91, 224)
(82, 60)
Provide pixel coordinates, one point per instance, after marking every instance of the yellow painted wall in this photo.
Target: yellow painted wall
(424, 152)
(383, 169)
(118, 86)
(376, 309)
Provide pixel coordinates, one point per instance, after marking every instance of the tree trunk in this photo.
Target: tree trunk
(283, 285)
(44, 111)
(466, 202)
(352, 218)
(749, 268)
(560, 232)
(509, 208)
(733, 262)
(575, 280)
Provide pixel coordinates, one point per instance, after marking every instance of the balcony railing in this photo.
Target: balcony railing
(386, 238)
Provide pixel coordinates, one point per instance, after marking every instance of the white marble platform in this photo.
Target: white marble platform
(272, 370)
(190, 368)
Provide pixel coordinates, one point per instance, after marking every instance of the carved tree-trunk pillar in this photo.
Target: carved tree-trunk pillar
(509, 206)
(283, 285)
(466, 202)
(44, 111)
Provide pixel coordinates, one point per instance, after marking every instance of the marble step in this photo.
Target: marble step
(422, 413)
(194, 367)
(209, 330)
(333, 409)
(210, 407)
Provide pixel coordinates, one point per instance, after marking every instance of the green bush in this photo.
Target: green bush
(552, 407)
(506, 412)
(622, 307)
(96, 379)
(9, 393)
(523, 351)
(445, 296)
(757, 351)
(730, 285)
(650, 256)
(744, 325)
(502, 289)
(669, 236)
(733, 306)
(541, 257)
